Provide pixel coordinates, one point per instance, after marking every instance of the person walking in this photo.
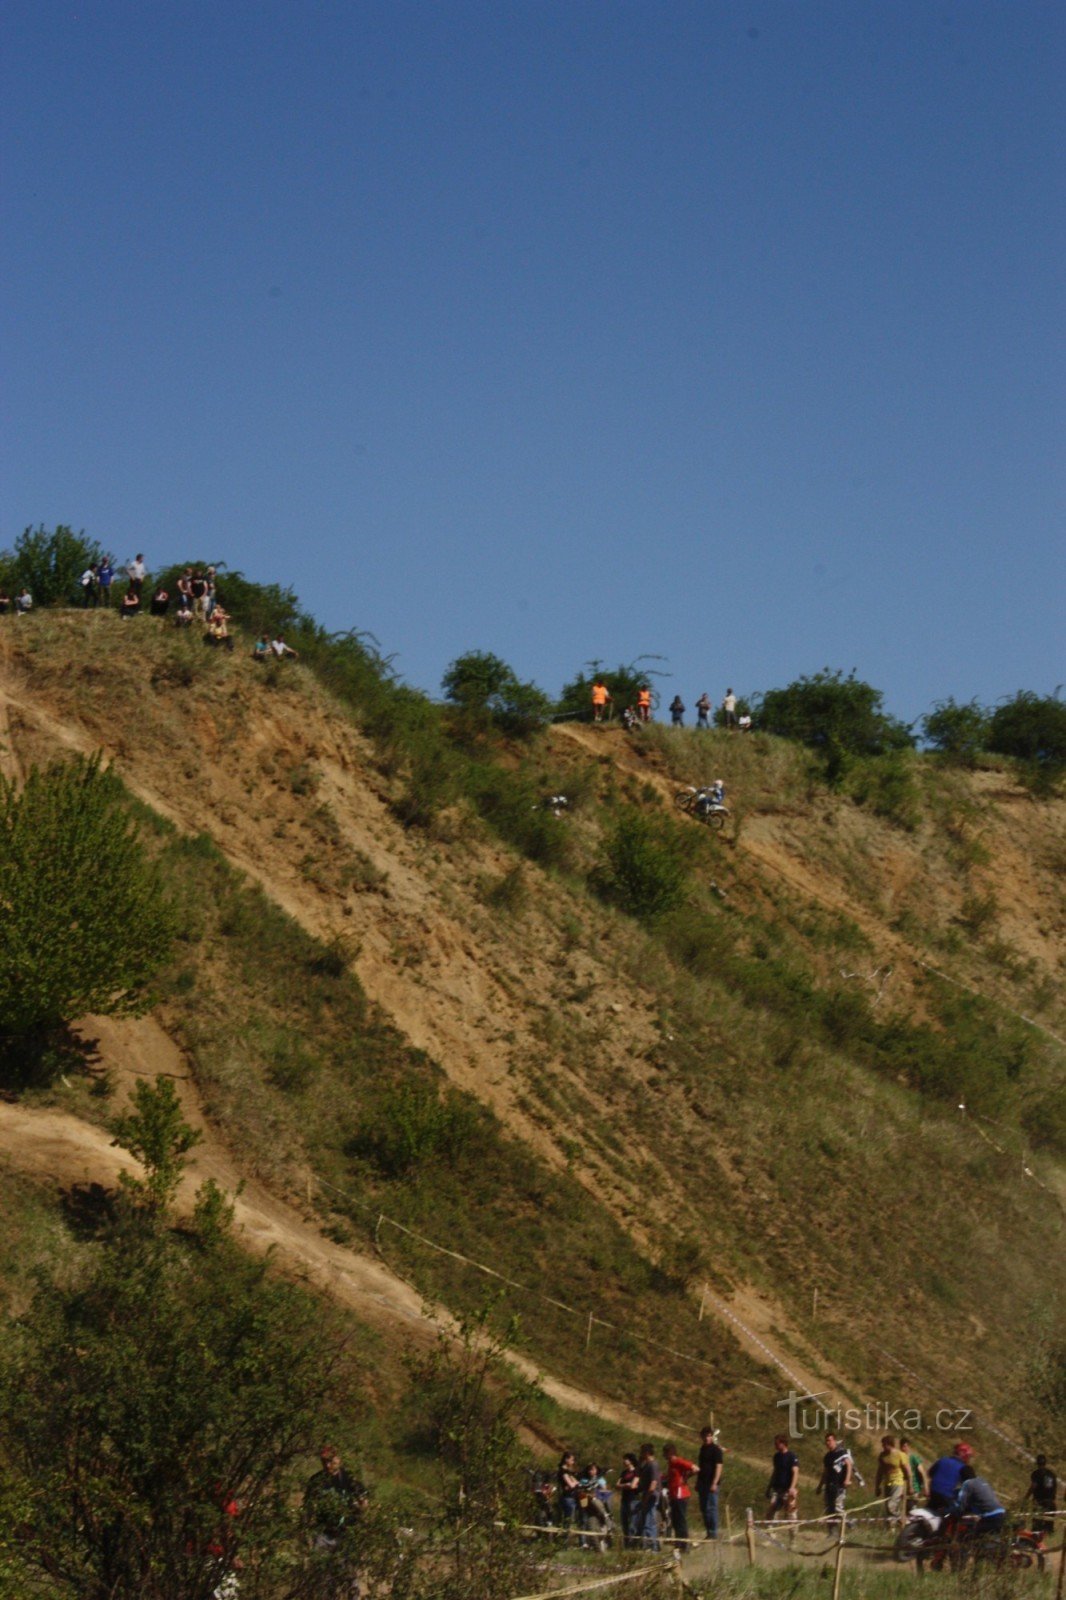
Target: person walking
(708, 1478)
(703, 710)
(837, 1467)
(893, 1474)
(783, 1488)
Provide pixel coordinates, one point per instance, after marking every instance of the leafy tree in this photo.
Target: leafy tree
(155, 1413)
(471, 1406)
(642, 868)
(487, 691)
(84, 917)
(50, 565)
(840, 717)
(156, 1132)
(958, 731)
(1032, 728)
(622, 684)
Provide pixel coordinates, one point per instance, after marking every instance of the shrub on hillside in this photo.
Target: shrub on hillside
(642, 868)
(49, 565)
(840, 717)
(1032, 728)
(957, 731)
(85, 921)
(486, 692)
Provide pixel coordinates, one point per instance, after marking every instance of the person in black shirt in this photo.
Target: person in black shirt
(708, 1478)
(333, 1501)
(783, 1488)
(1042, 1490)
(837, 1468)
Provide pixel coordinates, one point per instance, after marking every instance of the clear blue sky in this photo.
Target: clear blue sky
(727, 331)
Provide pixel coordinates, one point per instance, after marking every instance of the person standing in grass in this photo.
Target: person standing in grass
(600, 700)
(703, 710)
(629, 1499)
(105, 577)
(918, 1484)
(648, 1508)
(783, 1488)
(677, 711)
(678, 1472)
(893, 1474)
(729, 709)
(708, 1479)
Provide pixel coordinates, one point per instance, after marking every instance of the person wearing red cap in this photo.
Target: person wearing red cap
(944, 1477)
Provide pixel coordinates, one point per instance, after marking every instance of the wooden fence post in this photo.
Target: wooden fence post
(750, 1533)
(1062, 1565)
(840, 1557)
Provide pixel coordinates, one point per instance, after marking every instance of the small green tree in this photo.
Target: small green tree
(157, 1405)
(1032, 728)
(50, 565)
(486, 691)
(156, 1132)
(958, 731)
(84, 918)
(642, 867)
(840, 717)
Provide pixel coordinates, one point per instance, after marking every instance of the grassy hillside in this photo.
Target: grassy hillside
(398, 976)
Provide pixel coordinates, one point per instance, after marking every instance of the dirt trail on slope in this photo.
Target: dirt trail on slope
(57, 1148)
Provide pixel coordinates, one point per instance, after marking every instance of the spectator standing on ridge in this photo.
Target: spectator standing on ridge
(198, 590)
(105, 577)
(23, 602)
(708, 1478)
(136, 572)
(836, 1475)
(649, 1486)
(89, 594)
(644, 703)
(729, 709)
(703, 710)
(678, 1472)
(600, 700)
(783, 1488)
(677, 711)
(567, 1487)
(210, 593)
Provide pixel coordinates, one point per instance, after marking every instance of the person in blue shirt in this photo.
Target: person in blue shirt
(944, 1476)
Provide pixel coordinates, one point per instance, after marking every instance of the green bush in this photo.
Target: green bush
(622, 685)
(1032, 728)
(957, 731)
(886, 786)
(486, 693)
(50, 565)
(642, 867)
(85, 921)
(840, 717)
(413, 1128)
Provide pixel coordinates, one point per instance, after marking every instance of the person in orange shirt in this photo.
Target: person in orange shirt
(678, 1472)
(644, 703)
(600, 700)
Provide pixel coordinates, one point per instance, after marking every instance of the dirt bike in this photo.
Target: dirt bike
(929, 1539)
(698, 803)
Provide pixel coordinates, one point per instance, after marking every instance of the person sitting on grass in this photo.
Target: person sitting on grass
(23, 602)
(261, 648)
(183, 615)
(131, 603)
(281, 649)
(217, 631)
(159, 604)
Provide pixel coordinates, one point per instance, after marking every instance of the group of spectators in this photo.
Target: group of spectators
(195, 601)
(632, 716)
(654, 1501)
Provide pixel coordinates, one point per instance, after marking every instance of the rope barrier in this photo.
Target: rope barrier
(661, 1567)
(1029, 1022)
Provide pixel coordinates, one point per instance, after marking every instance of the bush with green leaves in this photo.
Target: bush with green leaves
(85, 920)
(158, 1403)
(1032, 728)
(487, 692)
(957, 731)
(840, 717)
(642, 869)
(49, 564)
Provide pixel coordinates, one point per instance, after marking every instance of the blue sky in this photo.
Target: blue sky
(727, 332)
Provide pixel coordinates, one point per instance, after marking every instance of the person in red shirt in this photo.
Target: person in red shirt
(678, 1472)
